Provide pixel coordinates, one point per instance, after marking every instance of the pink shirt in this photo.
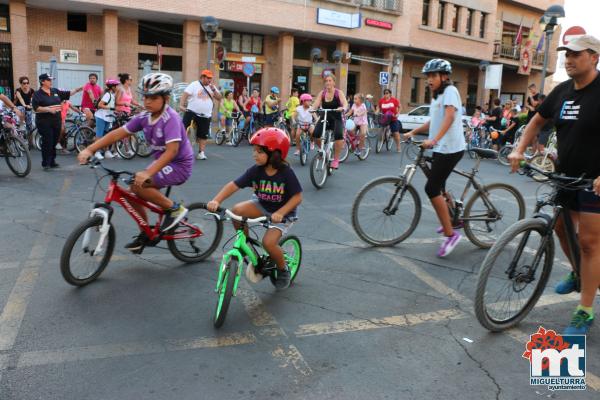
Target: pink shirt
(125, 97)
(86, 102)
(360, 114)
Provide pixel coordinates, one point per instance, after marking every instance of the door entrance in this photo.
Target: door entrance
(352, 84)
(301, 79)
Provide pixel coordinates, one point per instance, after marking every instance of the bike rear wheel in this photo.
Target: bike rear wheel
(544, 162)
(483, 225)
(140, 145)
(364, 153)
(220, 137)
(79, 264)
(511, 280)
(84, 137)
(319, 170)
(225, 291)
(192, 250)
(386, 211)
(503, 154)
(17, 156)
(345, 150)
(125, 148)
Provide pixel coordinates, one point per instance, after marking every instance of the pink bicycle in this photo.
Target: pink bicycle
(352, 141)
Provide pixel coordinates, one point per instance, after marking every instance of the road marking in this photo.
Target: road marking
(16, 305)
(291, 355)
(10, 265)
(354, 325)
(254, 306)
(47, 357)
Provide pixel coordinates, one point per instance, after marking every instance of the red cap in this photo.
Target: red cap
(207, 73)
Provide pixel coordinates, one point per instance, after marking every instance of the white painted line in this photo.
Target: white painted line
(10, 265)
(46, 357)
(259, 316)
(466, 339)
(291, 356)
(355, 325)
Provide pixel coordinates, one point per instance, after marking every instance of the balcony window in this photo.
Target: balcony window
(425, 17)
(441, 15)
(470, 15)
(76, 22)
(482, 25)
(508, 46)
(242, 42)
(4, 18)
(455, 17)
(152, 33)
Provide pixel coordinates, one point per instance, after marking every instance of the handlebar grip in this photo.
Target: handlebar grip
(205, 205)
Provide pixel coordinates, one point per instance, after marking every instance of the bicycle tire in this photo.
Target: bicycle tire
(294, 261)
(37, 139)
(236, 138)
(389, 139)
(84, 137)
(503, 155)
(527, 225)
(140, 145)
(468, 225)
(303, 152)
(125, 148)
(17, 149)
(380, 140)
(367, 150)
(314, 178)
(396, 186)
(212, 243)
(220, 137)
(225, 292)
(345, 150)
(65, 257)
(544, 162)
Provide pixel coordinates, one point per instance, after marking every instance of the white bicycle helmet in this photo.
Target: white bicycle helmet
(156, 84)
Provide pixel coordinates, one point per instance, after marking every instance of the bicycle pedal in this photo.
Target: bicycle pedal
(138, 251)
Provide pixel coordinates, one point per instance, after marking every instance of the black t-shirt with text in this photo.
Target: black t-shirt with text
(530, 100)
(272, 191)
(576, 116)
(497, 124)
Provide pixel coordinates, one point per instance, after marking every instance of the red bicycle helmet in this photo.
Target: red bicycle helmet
(273, 139)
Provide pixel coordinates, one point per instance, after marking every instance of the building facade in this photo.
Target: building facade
(288, 42)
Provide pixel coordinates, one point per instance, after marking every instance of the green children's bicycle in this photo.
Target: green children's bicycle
(249, 251)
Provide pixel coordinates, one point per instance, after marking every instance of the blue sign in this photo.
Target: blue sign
(384, 78)
(248, 69)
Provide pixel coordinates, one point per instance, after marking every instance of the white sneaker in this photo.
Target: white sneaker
(98, 156)
(201, 156)
(58, 146)
(108, 154)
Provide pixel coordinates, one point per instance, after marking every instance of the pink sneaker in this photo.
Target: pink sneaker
(335, 164)
(449, 244)
(297, 153)
(440, 229)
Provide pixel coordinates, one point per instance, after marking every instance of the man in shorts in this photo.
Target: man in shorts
(574, 107)
(198, 101)
(91, 92)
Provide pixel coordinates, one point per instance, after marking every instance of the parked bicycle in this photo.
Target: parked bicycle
(391, 202)
(248, 250)
(546, 161)
(516, 269)
(89, 247)
(13, 147)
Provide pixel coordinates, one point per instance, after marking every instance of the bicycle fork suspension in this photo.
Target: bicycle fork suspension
(104, 228)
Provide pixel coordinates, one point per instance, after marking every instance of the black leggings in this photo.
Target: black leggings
(441, 168)
(49, 129)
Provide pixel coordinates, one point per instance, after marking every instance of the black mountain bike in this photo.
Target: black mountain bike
(387, 210)
(515, 271)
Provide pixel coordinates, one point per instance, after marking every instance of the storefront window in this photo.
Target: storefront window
(427, 95)
(302, 50)
(243, 42)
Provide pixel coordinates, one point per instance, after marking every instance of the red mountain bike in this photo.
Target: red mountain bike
(89, 247)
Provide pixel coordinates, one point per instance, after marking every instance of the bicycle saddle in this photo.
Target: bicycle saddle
(485, 153)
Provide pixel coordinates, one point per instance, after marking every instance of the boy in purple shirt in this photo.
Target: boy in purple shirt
(172, 151)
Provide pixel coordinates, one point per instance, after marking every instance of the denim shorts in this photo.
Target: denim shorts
(283, 226)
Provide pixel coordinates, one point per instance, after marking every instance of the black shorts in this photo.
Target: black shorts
(543, 137)
(202, 124)
(336, 124)
(396, 126)
(579, 201)
(441, 168)
(271, 118)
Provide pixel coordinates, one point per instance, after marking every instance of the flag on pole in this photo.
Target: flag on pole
(519, 38)
(540, 44)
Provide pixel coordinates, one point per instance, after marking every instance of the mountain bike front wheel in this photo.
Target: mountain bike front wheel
(292, 250)
(17, 156)
(81, 260)
(386, 211)
(319, 170)
(83, 138)
(225, 291)
(220, 136)
(513, 274)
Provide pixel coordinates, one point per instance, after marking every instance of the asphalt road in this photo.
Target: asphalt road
(360, 323)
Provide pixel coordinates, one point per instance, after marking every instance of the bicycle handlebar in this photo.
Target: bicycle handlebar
(566, 181)
(93, 162)
(221, 213)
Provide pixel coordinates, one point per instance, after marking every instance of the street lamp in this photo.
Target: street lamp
(550, 20)
(210, 25)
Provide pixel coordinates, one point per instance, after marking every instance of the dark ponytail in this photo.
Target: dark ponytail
(275, 159)
(443, 86)
(124, 77)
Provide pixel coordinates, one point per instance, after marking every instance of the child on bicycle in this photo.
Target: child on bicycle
(359, 110)
(105, 114)
(172, 151)
(277, 194)
(302, 116)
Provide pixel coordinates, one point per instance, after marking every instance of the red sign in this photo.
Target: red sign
(235, 66)
(572, 31)
(379, 24)
(220, 54)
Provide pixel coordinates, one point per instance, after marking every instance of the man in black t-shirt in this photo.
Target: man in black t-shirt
(574, 107)
(494, 121)
(533, 101)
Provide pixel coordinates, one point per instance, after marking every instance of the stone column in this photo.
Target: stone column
(433, 13)
(20, 40)
(191, 50)
(111, 43)
(476, 22)
(342, 68)
(462, 20)
(449, 15)
(286, 61)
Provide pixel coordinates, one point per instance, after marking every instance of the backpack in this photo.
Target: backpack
(97, 101)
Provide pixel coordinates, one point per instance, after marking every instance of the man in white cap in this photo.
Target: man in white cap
(574, 107)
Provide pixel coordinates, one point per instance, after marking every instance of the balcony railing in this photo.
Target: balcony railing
(514, 53)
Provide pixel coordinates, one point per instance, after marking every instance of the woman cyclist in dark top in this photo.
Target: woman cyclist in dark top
(331, 98)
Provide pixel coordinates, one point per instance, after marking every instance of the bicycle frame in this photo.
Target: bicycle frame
(241, 250)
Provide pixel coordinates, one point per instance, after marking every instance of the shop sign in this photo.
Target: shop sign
(69, 56)
(339, 19)
(235, 66)
(379, 24)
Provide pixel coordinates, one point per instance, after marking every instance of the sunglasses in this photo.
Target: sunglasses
(24, 83)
